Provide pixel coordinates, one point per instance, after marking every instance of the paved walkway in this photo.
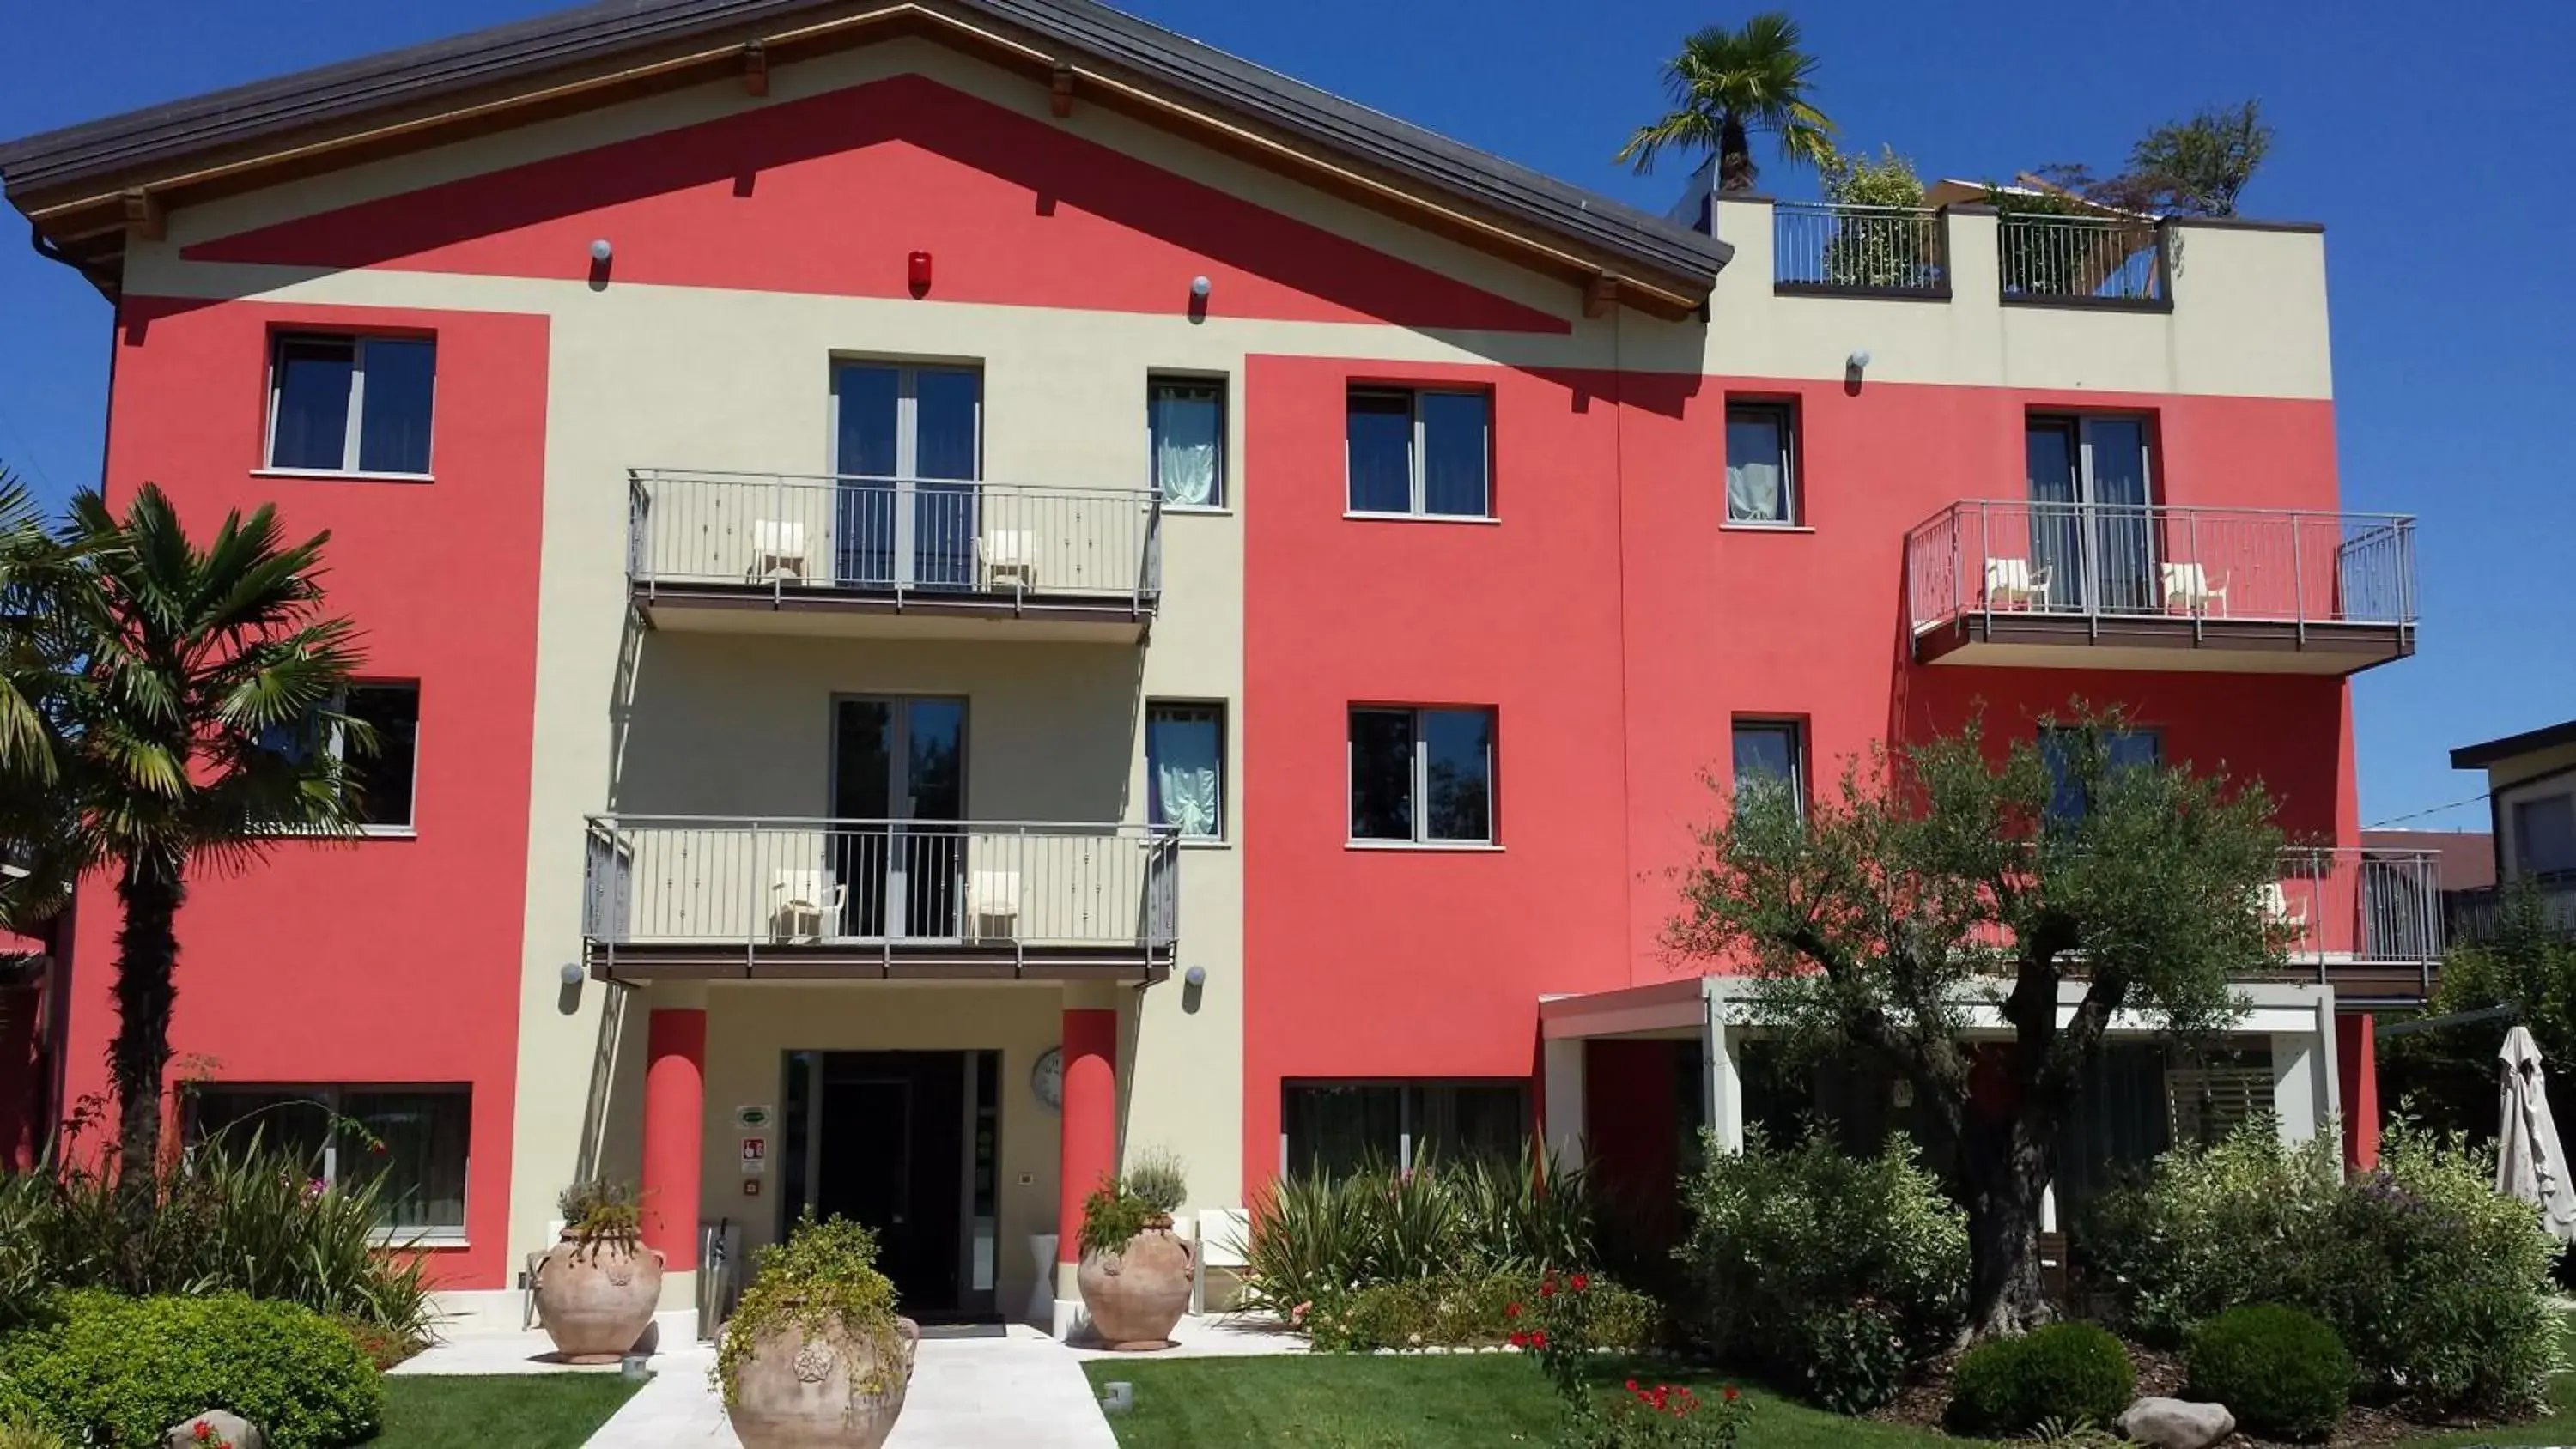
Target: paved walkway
(1022, 1390)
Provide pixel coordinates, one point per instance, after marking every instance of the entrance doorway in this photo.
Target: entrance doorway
(2092, 519)
(907, 1143)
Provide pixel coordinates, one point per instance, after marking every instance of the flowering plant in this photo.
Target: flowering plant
(205, 1436)
(1559, 1335)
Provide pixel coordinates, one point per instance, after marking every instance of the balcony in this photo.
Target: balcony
(2083, 261)
(776, 899)
(2478, 917)
(2367, 921)
(2145, 586)
(873, 556)
(1828, 250)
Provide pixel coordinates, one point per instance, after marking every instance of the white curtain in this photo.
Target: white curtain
(1186, 445)
(1753, 492)
(1186, 790)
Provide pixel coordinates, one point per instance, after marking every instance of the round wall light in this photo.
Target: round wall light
(1195, 976)
(1199, 286)
(601, 251)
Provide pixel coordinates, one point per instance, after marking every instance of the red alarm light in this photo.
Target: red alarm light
(917, 271)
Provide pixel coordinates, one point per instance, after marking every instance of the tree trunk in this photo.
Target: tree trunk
(151, 891)
(1734, 156)
(2004, 1167)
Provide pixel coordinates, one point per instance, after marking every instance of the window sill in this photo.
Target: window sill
(1206, 842)
(363, 832)
(422, 1240)
(341, 475)
(1428, 847)
(1357, 516)
(1765, 528)
(1198, 510)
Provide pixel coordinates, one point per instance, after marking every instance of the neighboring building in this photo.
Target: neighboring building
(2531, 791)
(963, 589)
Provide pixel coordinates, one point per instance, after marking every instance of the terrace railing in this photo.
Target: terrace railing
(2085, 260)
(1878, 250)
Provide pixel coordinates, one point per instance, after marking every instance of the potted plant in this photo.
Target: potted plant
(814, 1356)
(1135, 1274)
(598, 1286)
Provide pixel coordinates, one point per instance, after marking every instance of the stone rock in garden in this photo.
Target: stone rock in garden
(220, 1427)
(2174, 1423)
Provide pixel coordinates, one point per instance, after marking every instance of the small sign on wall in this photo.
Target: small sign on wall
(755, 1156)
(750, 1119)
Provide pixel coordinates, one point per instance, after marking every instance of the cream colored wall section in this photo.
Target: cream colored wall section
(2249, 319)
(2520, 780)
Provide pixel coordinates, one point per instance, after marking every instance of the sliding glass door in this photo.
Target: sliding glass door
(2091, 527)
(901, 762)
(908, 452)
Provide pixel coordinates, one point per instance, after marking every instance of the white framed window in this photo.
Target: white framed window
(351, 404)
(1185, 768)
(1422, 776)
(1762, 464)
(1185, 435)
(1420, 452)
(1771, 751)
(410, 1141)
(382, 784)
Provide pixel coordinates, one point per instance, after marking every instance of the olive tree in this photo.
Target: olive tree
(1942, 881)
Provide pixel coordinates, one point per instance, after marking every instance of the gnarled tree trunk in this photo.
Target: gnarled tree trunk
(2003, 1166)
(151, 890)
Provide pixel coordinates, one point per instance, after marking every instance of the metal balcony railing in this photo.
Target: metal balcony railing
(884, 884)
(2359, 906)
(1883, 250)
(926, 539)
(2278, 566)
(2089, 260)
(2477, 917)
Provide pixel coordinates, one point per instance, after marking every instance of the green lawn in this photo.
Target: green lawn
(1449, 1401)
(505, 1411)
(1432, 1401)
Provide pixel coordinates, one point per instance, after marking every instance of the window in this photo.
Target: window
(380, 783)
(1761, 464)
(1340, 1127)
(409, 1141)
(1185, 768)
(907, 449)
(1185, 429)
(1771, 751)
(1422, 775)
(2124, 749)
(351, 404)
(1423, 453)
(2093, 529)
(2544, 834)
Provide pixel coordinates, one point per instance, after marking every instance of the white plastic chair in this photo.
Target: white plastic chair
(2188, 588)
(993, 903)
(777, 549)
(806, 902)
(1009, 554)
(2280, 910)
(1224, 1236)
(2011, 581)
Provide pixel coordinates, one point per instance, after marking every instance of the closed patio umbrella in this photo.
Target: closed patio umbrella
(2529, 1162)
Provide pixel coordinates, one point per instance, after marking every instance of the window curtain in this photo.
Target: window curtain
(1753, 492)
(1186, 447)
(1184, 750)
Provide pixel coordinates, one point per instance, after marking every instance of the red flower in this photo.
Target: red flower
(1730, 1393)
(1519, 1339)
(1547, 1288)
(1538, 1339)
(1514, 1311)
(1580, 1282)
(1632, 1386)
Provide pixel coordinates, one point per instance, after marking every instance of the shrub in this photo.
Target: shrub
(19, 1429)
(1159, 1177)
(2283, 1373)
(823, 1278)
(598, 1210)
(117, 1371)
(233, 1217)
(1112, 1217)
(2064, 1373)
(2438, 1286)
(1317, 1237)
(1462, 1311)
(1840, 1274)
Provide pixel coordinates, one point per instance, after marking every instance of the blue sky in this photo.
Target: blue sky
(2453, 305)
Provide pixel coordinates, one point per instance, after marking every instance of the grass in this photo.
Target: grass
(501, 1411)
(1437, 1401)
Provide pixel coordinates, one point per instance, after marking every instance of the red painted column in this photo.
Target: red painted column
(675, 1126)
(2357, 1067)
(1090, 1120)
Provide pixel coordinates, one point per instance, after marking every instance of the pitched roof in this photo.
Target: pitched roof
(2488, 752)
(84, 184)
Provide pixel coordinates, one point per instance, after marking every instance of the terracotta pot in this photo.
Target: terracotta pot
(596, 1299)
(1137, 1294)
(795, 1392)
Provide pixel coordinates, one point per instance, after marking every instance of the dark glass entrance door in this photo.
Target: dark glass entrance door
(892, 1155)
(909, 452)
(898, 789)
(2091, 524)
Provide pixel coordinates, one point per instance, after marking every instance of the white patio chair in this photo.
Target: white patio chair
(1224, 1235)
(1010, 556)
(2280, 910)
(777, 549)
(2012, 581)
(805, 902)
(993, 904)
(2188, 588)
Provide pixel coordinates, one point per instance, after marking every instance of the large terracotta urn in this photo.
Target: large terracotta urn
(833, 1390)
(596, 1297)
(1138, 1293)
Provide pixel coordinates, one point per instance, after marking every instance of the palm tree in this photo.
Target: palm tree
(1727, 84)
(203, 723)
